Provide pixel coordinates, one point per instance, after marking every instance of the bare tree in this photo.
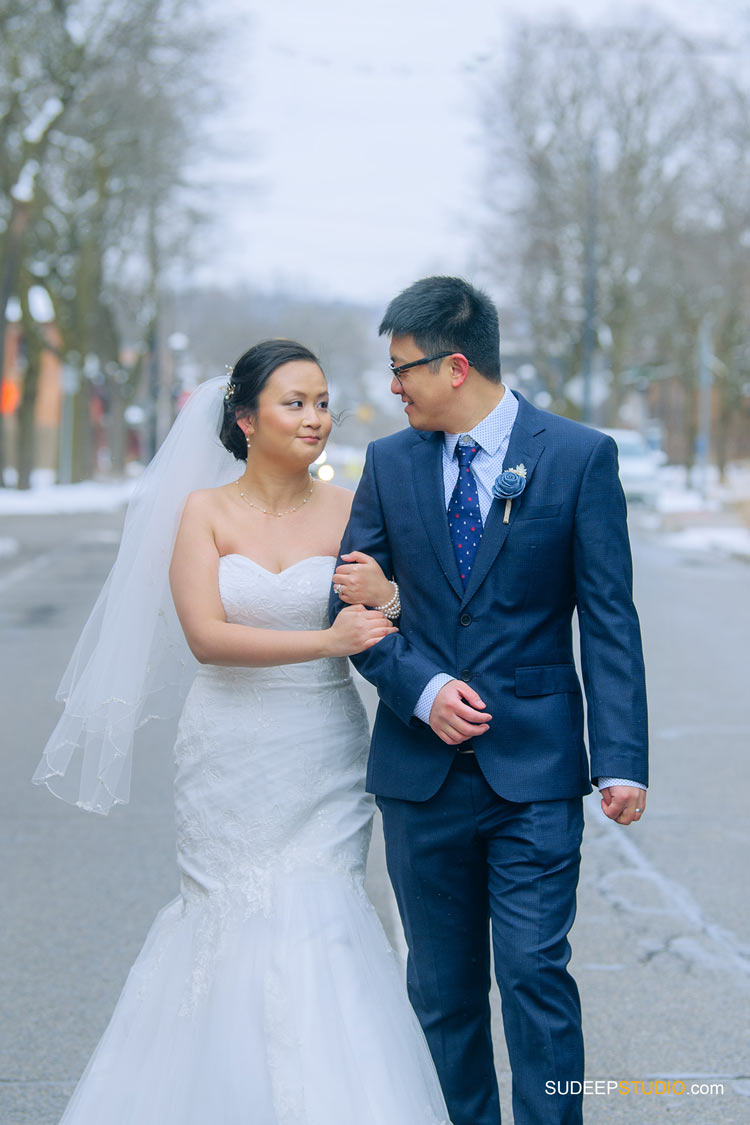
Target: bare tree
(727, 214)
(40, 65)
(605, 154)
(107, 205)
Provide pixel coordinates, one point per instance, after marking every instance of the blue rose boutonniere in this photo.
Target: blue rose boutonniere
(508, 486)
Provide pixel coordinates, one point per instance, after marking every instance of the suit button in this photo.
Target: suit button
(465, 619)
(465, 675)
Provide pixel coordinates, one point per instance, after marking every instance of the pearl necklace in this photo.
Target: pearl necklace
(266, 512)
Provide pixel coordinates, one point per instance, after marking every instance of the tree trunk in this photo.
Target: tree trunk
(26, 436)
(33, 346)
(723, 426)
(616, 394)
(82, 436)
(116, 428)
(19, 220)
(26, 414)
(690, 423)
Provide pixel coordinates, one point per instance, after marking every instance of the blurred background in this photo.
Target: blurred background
(179, 179)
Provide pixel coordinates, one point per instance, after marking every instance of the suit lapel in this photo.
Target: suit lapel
(427, 467)
(524, 448)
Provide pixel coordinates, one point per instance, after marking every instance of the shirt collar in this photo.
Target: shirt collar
(492, 431)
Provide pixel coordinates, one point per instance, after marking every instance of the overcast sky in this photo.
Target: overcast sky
(350, 134)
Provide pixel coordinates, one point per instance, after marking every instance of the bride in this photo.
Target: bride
(266, 993)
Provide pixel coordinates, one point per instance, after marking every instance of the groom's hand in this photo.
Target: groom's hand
(458, 713)
(623, 803)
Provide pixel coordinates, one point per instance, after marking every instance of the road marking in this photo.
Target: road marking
(727, 950)
(30, 568)
(27, 570)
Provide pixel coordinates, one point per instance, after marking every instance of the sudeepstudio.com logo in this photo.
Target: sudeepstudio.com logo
(648, 1087)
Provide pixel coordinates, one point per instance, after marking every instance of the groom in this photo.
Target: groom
(497, 520)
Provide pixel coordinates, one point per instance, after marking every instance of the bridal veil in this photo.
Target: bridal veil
(132, 662)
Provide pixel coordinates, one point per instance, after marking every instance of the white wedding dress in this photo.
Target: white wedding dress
(267, 992)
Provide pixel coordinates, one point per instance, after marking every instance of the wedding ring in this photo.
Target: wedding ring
(337, 588)
(639, 810)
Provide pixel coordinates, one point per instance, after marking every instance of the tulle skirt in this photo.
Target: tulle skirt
(295, 1017)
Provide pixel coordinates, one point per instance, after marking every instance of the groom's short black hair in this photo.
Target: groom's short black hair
(448, 314)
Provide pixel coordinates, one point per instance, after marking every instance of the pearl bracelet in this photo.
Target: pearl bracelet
(391, 609)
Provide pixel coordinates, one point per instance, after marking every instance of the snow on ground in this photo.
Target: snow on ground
(677, 495)
(63, 499)
(726, 540)
(673, 499)
(680, 491)
(716, 515)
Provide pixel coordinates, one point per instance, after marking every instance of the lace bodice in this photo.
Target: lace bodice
(295, 598)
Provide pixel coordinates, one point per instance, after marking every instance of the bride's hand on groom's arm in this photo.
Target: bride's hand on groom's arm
(357, 629)
(458, 713)
(361, 581)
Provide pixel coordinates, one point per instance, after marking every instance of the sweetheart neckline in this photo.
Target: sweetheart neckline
(275, 573)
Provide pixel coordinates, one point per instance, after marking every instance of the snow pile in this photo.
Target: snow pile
(673, 499)
(680, 491)
(733, 541)
(64, 499)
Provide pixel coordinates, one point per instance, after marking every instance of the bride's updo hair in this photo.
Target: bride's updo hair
(251, 373)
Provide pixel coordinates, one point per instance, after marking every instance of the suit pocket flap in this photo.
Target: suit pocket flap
(546, 679)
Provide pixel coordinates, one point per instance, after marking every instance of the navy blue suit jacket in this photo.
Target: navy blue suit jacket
(509, 633)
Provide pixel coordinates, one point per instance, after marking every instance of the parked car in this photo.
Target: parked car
(639, 465)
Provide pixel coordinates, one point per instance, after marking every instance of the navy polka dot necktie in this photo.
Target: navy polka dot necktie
(464, 515)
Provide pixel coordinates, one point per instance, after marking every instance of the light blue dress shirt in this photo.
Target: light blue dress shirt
(492, 435)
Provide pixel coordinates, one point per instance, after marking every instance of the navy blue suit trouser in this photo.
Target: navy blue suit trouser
(458, 862)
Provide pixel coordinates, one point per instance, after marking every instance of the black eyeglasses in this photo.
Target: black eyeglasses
(398, 371)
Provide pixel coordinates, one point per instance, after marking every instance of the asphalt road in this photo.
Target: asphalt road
(661, 949)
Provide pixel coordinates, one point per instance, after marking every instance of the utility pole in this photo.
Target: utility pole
(153, 375)
(703, 441)
(589, 291)
(153, 343)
